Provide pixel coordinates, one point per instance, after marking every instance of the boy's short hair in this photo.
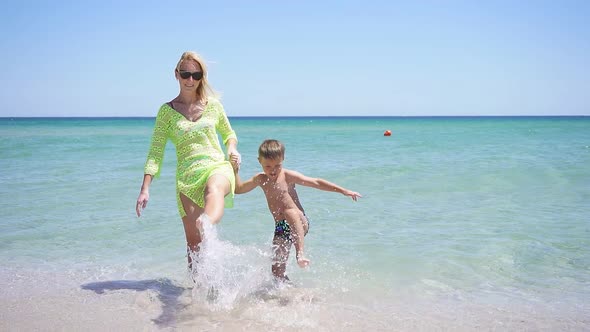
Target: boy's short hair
(271, 149)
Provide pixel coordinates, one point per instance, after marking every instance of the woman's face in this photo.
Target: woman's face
(189, 68)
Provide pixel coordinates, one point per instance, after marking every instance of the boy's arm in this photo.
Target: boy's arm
(321, 184)
(243, 187)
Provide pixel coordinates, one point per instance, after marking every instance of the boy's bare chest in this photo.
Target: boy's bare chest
(276, 190)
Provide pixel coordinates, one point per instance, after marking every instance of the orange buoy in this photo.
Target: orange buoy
(387, 133)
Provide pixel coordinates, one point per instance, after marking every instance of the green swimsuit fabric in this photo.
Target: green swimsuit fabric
(198, 152)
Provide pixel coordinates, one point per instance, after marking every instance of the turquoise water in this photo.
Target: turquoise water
(465, 223)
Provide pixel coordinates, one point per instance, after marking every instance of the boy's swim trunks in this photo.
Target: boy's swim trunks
(283, 230)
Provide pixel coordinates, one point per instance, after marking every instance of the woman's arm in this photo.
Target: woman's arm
(144, 194)
(232, 152)
(155, 157)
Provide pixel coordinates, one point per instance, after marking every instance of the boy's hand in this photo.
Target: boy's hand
(235, 165)
(352, 194)
(302, 261)
(235, 159)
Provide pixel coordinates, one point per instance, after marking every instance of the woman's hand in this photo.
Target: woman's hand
(234, 157)
(142, 200)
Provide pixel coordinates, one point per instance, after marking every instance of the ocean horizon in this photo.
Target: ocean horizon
(301, 117)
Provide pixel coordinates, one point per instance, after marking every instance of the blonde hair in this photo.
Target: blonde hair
(271, 149)
(204, 90)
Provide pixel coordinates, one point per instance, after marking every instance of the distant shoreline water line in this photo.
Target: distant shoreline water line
(319, 117)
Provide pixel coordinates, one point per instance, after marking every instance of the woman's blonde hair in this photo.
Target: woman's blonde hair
(204, 90)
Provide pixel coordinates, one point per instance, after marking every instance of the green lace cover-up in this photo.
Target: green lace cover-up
(198, 152)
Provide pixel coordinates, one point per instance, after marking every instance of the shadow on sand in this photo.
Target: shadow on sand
(168, 294)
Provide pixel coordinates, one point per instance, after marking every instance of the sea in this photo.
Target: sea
(465, 224)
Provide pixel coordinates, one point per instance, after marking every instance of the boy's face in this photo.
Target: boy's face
(271, 167)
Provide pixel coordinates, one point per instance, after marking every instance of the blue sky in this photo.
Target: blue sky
(298, 58)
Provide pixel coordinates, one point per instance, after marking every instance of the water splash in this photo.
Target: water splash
(224, 274)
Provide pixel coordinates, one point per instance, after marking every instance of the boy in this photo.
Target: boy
(278, 184)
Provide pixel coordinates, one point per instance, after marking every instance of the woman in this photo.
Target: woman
(205, 180)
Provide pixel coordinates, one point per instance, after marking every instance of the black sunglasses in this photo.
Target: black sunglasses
(186, 74)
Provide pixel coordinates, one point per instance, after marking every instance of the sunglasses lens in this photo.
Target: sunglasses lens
(196, 75)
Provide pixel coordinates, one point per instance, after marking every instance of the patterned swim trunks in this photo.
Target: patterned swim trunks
(283, 230)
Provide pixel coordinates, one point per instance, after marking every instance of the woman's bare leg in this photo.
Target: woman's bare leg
(217, 188)
(192, 226)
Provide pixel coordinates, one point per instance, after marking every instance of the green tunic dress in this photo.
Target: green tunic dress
(198, 152)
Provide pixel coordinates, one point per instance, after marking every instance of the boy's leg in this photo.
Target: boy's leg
(299, 226)
(281, 248)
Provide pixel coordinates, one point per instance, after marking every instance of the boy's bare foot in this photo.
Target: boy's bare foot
(302, 261)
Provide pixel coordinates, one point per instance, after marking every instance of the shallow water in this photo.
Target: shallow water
(464, 224)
